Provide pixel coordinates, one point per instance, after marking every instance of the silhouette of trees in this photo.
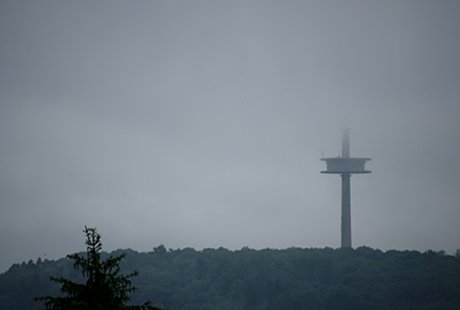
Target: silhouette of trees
(105, 288)
(246, 279)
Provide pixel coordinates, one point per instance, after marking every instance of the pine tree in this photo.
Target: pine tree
(105, 287)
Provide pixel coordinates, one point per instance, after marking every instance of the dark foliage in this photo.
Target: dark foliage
(295, 278)
(105, 287)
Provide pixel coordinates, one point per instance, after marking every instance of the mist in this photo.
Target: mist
(202, 124)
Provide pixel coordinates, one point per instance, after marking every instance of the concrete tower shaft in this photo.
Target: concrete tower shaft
(346, 194)
(346, 211)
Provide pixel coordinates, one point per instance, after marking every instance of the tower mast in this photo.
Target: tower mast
(345, 166)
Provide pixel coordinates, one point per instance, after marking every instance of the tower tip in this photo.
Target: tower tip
(346, 143)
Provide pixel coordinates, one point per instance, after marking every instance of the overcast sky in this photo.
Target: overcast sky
(202, 123)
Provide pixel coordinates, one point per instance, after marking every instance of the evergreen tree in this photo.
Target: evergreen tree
(105, 287)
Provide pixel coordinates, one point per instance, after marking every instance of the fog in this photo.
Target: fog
(202, 124)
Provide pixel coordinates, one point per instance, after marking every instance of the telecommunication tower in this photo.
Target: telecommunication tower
(345, 166)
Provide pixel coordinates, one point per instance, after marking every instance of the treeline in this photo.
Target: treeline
(294, 278)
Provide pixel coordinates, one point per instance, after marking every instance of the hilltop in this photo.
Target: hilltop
(295, 278)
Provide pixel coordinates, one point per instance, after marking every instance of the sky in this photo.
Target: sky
(202, 123)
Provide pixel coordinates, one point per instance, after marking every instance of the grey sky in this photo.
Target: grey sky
(201, 123)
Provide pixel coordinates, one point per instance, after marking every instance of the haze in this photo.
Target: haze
(202, 123)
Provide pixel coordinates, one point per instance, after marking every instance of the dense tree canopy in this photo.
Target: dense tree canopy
(295, 278)
(105, 288)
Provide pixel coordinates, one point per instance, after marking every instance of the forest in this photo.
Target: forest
(269, 279)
